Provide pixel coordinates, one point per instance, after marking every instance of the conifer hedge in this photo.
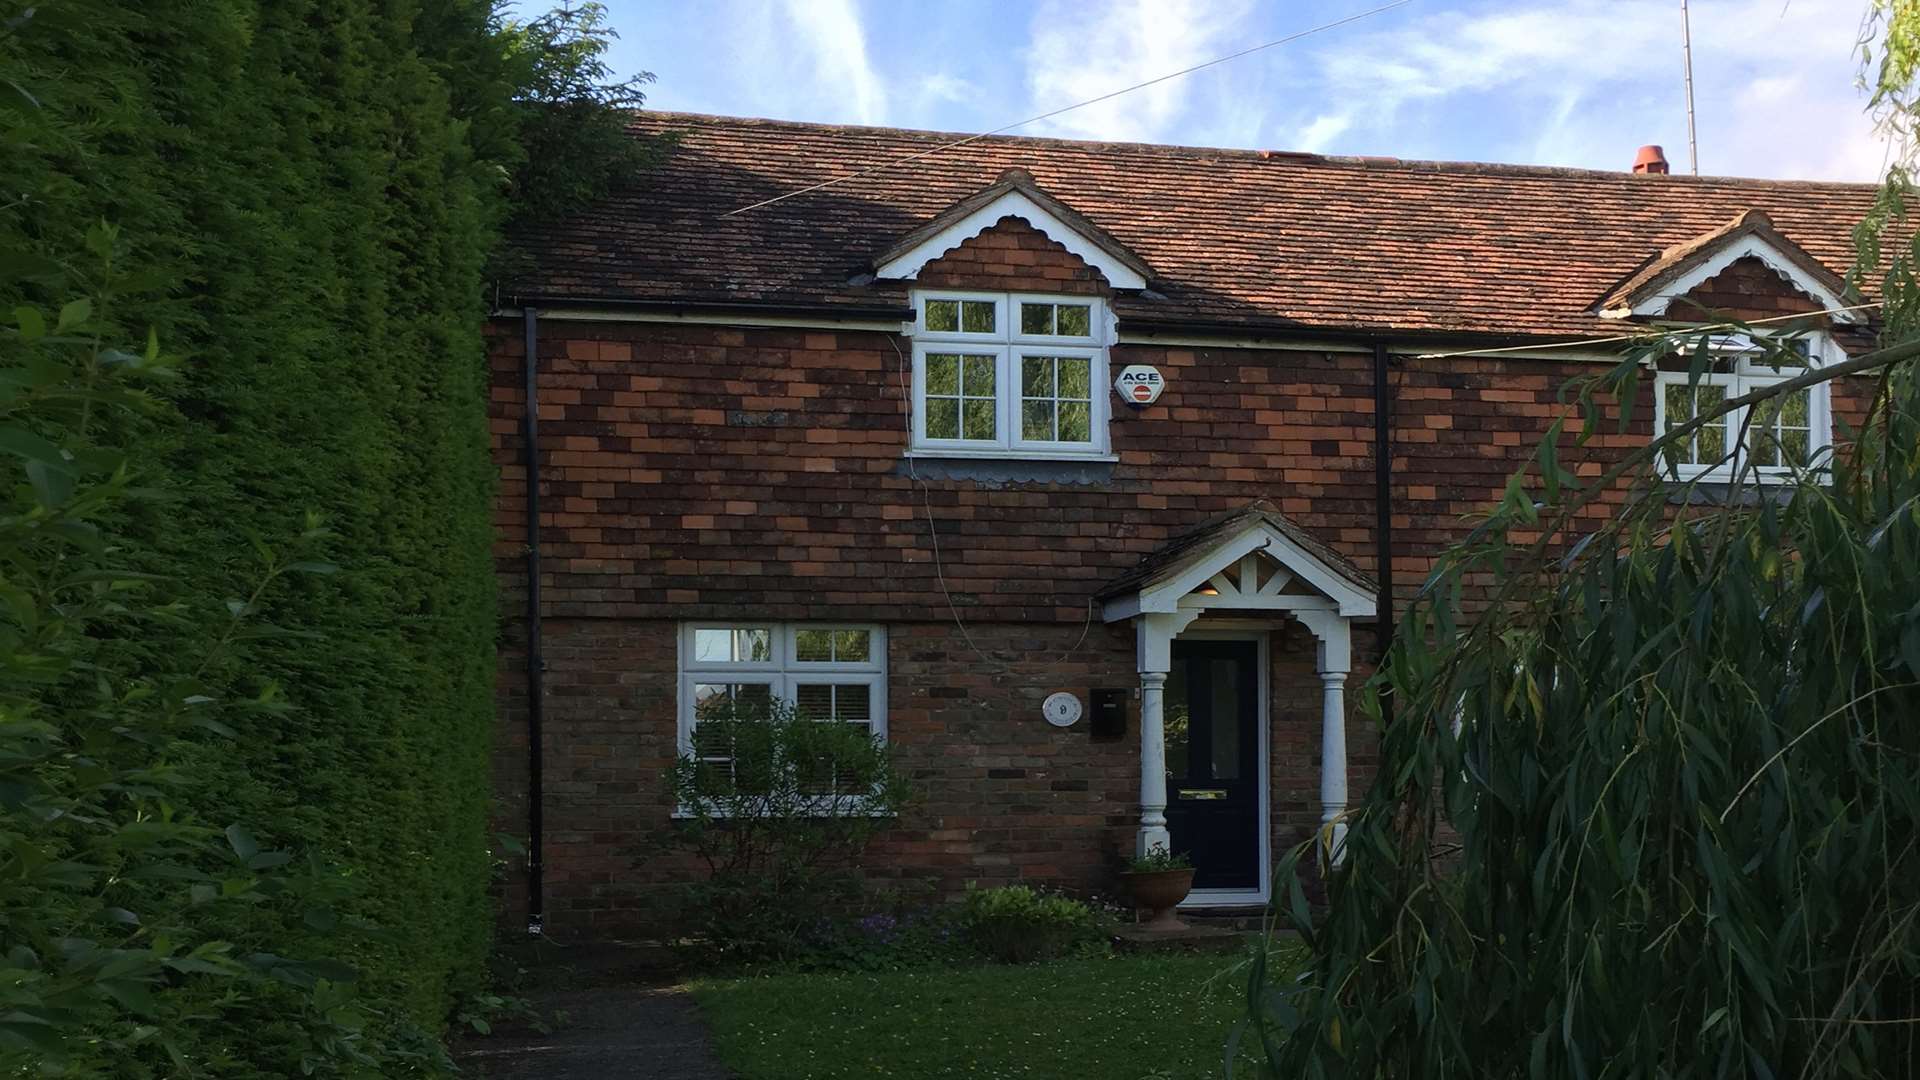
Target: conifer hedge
(308, 222)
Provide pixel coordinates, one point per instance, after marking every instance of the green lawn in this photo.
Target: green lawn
(1115, 1018)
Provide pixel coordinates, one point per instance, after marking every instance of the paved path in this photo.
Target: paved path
(609, 1033)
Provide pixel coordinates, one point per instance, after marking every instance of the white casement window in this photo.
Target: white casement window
(1009, 375)
(1772, 439)
(828, 672)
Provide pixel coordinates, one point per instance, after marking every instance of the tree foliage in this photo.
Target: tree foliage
(1651, 805)
(305, 197)
(570, 112)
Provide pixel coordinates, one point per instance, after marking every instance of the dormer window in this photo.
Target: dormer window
(1774, 438)
(1009, 375)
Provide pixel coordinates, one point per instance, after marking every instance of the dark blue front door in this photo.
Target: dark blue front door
(1213, 761)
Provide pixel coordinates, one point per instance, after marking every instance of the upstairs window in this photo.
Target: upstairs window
(1773, 438)
(1009, 374)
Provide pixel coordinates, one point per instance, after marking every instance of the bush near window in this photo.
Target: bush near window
(779, 806)
(308, 194)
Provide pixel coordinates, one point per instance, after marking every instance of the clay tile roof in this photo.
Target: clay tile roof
(1268, 241)
(1687, 254)
(1172, 558)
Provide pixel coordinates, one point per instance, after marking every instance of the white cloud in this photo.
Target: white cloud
(1318, 136)
(1585, 83)
(835, 42)
(1078, 52)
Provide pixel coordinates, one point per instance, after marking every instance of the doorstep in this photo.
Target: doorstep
(1192, 938)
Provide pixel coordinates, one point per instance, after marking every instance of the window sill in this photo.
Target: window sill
(684, 813)
(1718, 491)
(1008, 455)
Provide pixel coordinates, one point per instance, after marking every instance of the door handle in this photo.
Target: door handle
(1203, 794)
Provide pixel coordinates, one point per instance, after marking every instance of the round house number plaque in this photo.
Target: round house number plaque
(1061, 710)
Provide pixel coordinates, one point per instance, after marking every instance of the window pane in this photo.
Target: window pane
(813, 646)
(979, 377)
(943, 373)
(713, 646)
(1076, 377)
(756, 645)
(943, 418)
(711, 741)
(853, 703)
(1076, 421)
(1036, 318)
(1036, 377)
(1710, 444)
(1075, 320)
(731, 700)
(1225, 714)
(852, 646)
(1796, 443)
(976, 316)
(1036, 420)
(1762, 436)
(978, 419)
(1781, 355)
(814, 702)
(1794, 408)
(733, 646)
(943, 315)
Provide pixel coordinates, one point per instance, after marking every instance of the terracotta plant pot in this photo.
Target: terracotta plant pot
(1159, 891)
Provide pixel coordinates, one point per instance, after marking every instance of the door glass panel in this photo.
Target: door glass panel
(1225, 720)
(1174, 717)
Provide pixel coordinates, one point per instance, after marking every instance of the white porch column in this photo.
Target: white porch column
(1153, 764)
(1335, 660)
(1156, 633)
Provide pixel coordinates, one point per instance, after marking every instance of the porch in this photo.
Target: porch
(1205, 608)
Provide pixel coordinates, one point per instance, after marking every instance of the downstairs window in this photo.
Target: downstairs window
(833, 673)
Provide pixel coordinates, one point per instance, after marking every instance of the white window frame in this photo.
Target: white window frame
(783, 673)
(1008, 346)
(1745, 377)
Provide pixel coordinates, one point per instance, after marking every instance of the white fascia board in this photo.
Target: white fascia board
(1353, 602)
(1308, 344)
(1773, 257)
(1349, 600)
(717, 318)
(908, 264)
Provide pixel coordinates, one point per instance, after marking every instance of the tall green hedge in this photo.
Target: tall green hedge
(298, 185)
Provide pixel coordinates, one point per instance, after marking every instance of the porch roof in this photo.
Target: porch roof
(1215, 544)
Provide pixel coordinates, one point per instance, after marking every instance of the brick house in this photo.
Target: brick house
(1085, 475)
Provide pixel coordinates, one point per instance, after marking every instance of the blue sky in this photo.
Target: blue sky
(1580, 83)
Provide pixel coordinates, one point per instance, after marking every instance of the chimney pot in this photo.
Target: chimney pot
(1650, 159)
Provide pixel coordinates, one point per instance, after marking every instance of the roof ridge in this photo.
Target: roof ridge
(1357, 161)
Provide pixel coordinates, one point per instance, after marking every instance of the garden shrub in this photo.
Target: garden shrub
(779, 807)
(127, 914)
(308, 194)
(1018, 924)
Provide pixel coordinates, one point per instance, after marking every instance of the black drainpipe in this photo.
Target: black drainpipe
(1383, 510)
(536, 663)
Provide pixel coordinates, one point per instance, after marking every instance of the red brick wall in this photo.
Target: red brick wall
(712, 472)
(1001, 795)
(1747, 289)
(1013, 256)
